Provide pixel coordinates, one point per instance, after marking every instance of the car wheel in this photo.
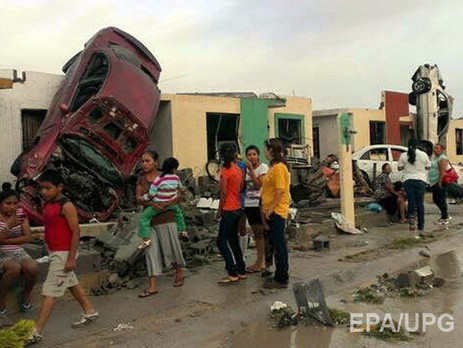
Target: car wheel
(213, 169)
(421, 85)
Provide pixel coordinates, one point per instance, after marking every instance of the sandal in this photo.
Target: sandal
(228, 280)
(147, 293)
(253, 270)
(242, 276)
(145, 244)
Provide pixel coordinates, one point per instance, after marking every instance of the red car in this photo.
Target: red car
(97, 126)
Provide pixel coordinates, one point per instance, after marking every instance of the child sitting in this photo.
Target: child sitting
(163, 191)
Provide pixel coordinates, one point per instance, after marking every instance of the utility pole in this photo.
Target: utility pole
(345, 157)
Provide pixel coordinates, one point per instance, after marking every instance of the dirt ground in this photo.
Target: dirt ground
(204, 314)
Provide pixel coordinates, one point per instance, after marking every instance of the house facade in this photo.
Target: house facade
(23, 105)
(192, 127)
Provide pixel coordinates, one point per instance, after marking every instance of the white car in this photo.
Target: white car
(370, 160)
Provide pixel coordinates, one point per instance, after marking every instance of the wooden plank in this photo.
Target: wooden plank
(6, 83)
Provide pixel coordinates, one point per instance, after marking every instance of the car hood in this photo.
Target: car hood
(82, 152)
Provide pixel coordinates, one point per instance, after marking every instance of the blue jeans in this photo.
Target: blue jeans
(228, 240)
(277, 240)
(415, 196)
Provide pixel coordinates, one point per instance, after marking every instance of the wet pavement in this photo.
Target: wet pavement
(203, 314)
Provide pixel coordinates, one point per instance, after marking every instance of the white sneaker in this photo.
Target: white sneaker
(443, 222)
(86, 319)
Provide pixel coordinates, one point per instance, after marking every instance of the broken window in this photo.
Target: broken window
(91, 82)
(377, 133)
(290, 130)
(221, 128)
(375, 155)
(459, 141)
(31, 121)
(125, 54)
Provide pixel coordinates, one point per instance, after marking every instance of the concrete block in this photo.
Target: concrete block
(368, 219)
(128, 253)
(88, 261)
(304, 235)
(202, 247)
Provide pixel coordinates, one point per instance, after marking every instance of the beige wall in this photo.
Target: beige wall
(294, 105)
(328, 130)
(189, 132)
(361, 123)
(451, 141)
(326, 120)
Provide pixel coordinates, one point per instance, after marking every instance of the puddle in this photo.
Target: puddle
(447, 299)
(261, 335)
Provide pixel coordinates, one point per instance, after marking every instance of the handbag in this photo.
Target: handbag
(450, 176)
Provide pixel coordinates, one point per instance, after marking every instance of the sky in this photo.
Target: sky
(339, 53)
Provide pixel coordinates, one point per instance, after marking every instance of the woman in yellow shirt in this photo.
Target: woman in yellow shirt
(275, 209)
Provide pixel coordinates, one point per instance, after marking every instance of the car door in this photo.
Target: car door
(372, 161)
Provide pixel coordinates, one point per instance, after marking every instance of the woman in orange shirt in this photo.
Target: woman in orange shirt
(275, 208)
(231, 182)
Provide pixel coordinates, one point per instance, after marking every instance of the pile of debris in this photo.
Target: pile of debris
(118, 246)
(312, 186)
(407, 284)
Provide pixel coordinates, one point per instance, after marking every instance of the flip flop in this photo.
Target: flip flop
(147, 293)
(228, 280)
(242, 277)
(253, 270)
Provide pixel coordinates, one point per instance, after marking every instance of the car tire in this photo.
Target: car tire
(421, 85)
(212, 169)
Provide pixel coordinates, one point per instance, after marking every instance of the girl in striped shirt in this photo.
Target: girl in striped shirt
(14, 260)
(164, 193)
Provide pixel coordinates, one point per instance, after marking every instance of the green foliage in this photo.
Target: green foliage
(405, 243)
(339, 316)
(17, 335)
(368, 295)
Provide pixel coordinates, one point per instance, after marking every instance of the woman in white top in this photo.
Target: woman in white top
(254, 173)
(415, 165)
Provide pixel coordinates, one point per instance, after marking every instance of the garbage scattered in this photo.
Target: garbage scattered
(17, 335)
(343, 225)
(122, 327)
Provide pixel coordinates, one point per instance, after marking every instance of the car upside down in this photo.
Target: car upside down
(97, 126)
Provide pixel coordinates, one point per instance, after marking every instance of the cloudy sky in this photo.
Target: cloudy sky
(339, 53)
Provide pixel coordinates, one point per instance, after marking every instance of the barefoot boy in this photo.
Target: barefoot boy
(62, 238)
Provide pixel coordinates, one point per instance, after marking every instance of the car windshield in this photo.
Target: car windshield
(92, 81)
(84, 154)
